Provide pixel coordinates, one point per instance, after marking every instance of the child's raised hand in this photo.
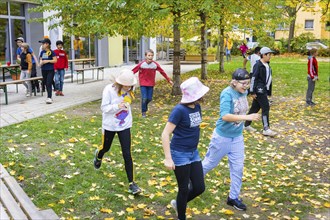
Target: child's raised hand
(171, 82)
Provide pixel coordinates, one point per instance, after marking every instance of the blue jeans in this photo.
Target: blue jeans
(59, 79)
(184, 158)
(146, 96)
(234, 149)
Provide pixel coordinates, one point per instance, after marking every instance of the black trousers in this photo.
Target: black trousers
(192, 172)
(261, 101)
(125, 143)
(35, 83)
(47, 79)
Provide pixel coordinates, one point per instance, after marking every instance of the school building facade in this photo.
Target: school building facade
(109, 51)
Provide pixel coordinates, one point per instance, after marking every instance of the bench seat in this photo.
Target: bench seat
(15, 203)
(98, 69)
(3, 85)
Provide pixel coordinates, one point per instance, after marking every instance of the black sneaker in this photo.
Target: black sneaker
(97, 162)
(237, 204)
(134, 189)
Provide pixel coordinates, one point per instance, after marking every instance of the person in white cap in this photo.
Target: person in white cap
(227, 138)
(181, 153)
(260, 89)
(117, 119)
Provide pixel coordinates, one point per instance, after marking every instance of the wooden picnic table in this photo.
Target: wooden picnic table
(90, 61)
(12, 68)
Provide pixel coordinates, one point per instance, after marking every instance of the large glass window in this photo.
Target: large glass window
(18, 30)
(4, 41)
(3, 8)
(16, 9)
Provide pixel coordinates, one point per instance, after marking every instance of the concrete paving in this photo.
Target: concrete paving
(21, 108)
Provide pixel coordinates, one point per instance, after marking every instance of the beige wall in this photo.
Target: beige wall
(312, 13)
(116, 52)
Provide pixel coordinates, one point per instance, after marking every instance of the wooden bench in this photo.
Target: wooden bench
(15, 204)
(98, 70)
(3, 85)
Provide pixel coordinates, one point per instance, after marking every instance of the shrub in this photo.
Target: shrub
(298, 44)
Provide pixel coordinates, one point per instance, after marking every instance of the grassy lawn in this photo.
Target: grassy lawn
(286, 177)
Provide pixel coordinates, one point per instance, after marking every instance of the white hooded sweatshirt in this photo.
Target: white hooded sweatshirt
(114, 118)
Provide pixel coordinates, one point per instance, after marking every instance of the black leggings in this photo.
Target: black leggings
(47, 79)
(194, 173)
(261, 101)
(125, 143)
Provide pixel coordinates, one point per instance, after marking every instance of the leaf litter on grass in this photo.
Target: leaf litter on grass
(285, 177)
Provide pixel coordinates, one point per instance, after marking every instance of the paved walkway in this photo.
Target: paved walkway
(21, 108)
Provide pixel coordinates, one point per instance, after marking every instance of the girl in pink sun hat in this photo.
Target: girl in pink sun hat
(181, 153)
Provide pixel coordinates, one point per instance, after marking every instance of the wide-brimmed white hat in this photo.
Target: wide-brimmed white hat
(192, 90)
(126, 78)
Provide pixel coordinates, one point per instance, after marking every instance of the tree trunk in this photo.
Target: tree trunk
(203, 46)
(176, 55)
(291, 33)
(221, 38)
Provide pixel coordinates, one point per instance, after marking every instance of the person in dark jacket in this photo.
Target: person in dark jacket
(260, 89)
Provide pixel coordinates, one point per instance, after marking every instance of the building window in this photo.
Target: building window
(309, 24)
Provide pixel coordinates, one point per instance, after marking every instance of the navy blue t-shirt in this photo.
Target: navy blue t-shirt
(47, 56)
(186, 133)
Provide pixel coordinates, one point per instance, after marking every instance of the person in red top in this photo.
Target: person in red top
(60, 65)
(312, 76)
(243, 48)
(147, 74)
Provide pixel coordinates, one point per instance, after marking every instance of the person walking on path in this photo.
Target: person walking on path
(253, 59)
(26, 67)
(228, 46)
(117, 119)
(313, 71)
(47, 61)
(35, 83)
(261, 88)
(181, 153)
(147, 74)
(60, 66)
(227, 138)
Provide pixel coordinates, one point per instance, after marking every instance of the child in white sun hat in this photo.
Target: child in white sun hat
(227, 138)
(117, 119)
(181, 154)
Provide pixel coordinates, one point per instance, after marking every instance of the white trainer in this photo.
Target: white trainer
(27, 95)
(249, 128)
(49, 101)
(269, 133)
(174, 206)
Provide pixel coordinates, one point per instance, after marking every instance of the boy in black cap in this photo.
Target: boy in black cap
(227, 138)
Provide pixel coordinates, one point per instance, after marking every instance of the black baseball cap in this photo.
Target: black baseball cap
(45, 40)
(240, 74)
(59, 42)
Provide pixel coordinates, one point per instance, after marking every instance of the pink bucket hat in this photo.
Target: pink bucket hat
(126, 78)
(192, 90)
